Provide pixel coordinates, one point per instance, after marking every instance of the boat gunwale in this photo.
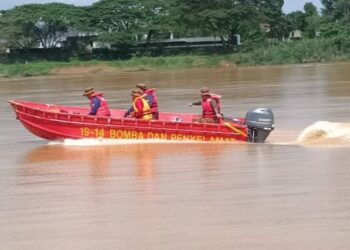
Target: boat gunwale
(159, 126)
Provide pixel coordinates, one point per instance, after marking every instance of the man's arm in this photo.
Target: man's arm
(215, 108)
(196, 103)
(129, 111)
(96, 103)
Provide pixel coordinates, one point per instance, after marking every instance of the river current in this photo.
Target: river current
(293, 192)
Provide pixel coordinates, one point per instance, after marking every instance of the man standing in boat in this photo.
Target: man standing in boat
(140, 108)
(211, 107)
(98, 103)
(152, 99)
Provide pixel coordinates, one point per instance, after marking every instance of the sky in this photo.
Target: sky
(293, 5)
(289, 5)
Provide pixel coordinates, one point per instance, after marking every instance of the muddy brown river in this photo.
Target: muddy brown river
(292, 192)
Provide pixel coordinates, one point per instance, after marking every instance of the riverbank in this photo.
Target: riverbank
(307, 51)
(134, 64)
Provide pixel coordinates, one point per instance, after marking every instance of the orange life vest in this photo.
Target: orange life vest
(146, 112)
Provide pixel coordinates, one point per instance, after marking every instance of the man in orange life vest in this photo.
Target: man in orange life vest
(211, 107)
(98, 104)
(152, 99)
(140, 108)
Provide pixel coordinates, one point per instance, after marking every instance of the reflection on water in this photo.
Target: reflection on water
(101, 159)
(278, 195)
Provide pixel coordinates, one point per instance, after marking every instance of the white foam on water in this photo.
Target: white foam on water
(324, 132)
(319, 133)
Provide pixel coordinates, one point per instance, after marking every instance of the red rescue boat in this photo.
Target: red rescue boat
(58, 122)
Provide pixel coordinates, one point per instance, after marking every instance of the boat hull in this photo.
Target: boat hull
(54, 122)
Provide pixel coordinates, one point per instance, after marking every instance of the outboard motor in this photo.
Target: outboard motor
(260, 123)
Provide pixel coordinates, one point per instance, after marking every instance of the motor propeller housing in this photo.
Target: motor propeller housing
(260, 122)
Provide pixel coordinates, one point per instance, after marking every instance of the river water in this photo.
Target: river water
(291, 193)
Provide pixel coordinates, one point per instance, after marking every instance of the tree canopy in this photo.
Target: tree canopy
(125, 22)
(29, 24)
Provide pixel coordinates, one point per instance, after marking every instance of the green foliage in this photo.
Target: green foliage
(312, 20)
(275, 18)
(338, 33)
(123, 22)
(29, 24)
(336, 23)
(313, 25)
(337, 10)
(342, 11)
(24, 70)
(308, 22)
(328, 7)
(310, 9)
(297, 20)
(219, 18)
(305, 51)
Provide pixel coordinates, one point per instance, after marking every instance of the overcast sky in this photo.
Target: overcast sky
(289, 5)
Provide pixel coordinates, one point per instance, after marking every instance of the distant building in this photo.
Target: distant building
(72, 36)
(265, 27)
(194, 42)
(3, 46)
(295, 35)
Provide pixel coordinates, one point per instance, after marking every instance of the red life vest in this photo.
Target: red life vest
(208, 111)
(154, 105)
(217, 98)
(103, 110)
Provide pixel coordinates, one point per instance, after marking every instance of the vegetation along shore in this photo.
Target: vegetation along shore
(119, 35)
(307, 51)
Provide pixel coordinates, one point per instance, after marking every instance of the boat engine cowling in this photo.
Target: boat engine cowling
(260, 122)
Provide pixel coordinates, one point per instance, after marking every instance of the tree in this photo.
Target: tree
(310, 9)
(272, 10)
(308, 21)
(29, 24)
(342, 11)
(155, 19)
(328, 7)
(312, 20)
(121, 22)
(313, 24)
(17, 35)
(222, 18)
(297, 20)
(337, 10)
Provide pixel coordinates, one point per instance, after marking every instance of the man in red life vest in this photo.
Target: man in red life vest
(152, 99)
(140, 107)
(98, 104)
(211, 107)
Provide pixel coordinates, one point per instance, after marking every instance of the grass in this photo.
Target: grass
(306, 51)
